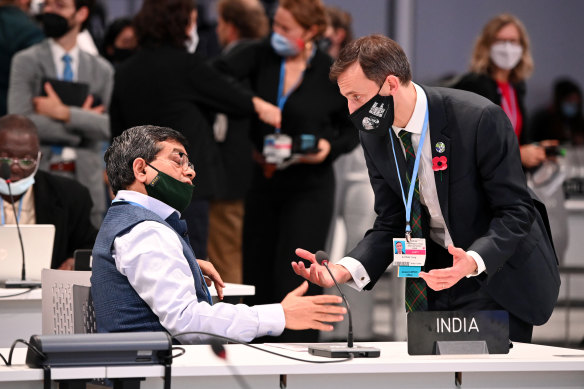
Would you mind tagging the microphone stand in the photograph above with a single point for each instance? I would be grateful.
(341, 351)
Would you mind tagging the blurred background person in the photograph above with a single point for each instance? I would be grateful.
(238, 21)
(289, 70)
(354, 199)
(501, 62)
(119, 41)
(562, 119)
(17, 32)
(41, 197)
(164, 84)
(71, 134)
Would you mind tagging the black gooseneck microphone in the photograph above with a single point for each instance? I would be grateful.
(322, 258)
(5, 173)
(341, 351)
(219, 350)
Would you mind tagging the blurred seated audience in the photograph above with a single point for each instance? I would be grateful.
(40, 197)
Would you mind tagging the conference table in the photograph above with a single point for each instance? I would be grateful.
(21, 310)
(526, 366)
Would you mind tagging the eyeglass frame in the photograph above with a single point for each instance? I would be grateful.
(184, 163)
(11, 160)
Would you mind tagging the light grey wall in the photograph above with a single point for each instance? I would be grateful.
(445, 31)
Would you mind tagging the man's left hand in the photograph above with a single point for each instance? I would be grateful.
(211, 275)
(462, 265)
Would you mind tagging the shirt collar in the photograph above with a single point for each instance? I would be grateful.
(58, 52)
(158, 207)
(417, 120)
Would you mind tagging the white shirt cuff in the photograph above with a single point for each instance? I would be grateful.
(480, 264)
(359, 275)
(271, 318)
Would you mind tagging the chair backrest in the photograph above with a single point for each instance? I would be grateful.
(66, 301)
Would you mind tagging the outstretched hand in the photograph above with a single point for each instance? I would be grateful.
(318, 274)
(462, 265)
(311, 312)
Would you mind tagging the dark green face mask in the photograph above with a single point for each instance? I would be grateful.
(170, 191)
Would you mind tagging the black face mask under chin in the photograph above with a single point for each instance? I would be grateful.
(375, 116)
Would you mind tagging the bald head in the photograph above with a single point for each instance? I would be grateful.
(18, 123)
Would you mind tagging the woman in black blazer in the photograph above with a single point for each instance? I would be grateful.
(288, 69)
(164, 84)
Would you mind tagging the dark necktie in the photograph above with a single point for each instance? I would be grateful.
(180, 226)
(68, 69)
(416, 299)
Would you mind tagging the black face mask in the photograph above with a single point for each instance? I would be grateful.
(120, 55)
(324, 44)
(54, 25)
(375, 116)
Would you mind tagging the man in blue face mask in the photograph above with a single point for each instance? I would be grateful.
(40, 197)
(145, 275)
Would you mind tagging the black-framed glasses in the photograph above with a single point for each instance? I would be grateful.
(23, 163)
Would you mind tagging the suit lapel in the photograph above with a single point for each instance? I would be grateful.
(440, 145)
(45, 56)
(83, 68)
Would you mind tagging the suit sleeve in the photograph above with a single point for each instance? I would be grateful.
(504, 184)
(21, 91)
(375, 251)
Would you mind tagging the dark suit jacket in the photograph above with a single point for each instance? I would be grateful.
(483, 197)
(169, 87)
(66, 204)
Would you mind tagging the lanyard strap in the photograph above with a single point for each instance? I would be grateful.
(2, 219)
(408, 203)
(282, 98)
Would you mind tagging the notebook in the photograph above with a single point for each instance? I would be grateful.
(70, 93)
(37, 240)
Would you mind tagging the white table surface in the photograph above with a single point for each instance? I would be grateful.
(526, 366)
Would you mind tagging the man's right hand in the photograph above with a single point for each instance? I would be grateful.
(318, 274)
(311, 312)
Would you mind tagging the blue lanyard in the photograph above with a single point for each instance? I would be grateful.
(282, 98)
(2, 210)
(408, 203)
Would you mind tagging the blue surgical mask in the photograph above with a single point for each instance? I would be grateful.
(569, 109)
(18, 187)
(282, 45)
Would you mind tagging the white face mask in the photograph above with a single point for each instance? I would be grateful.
(506, 55)
(193, 40)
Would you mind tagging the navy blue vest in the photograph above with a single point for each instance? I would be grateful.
(118, 308)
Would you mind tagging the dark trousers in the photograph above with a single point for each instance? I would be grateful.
(468, 295)
(277, 221)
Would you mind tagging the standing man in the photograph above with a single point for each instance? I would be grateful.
(145, 276)
(486, 242)
(71, 136)
(238, 21)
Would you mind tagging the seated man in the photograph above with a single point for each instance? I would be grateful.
(145, 274)
(40, 197)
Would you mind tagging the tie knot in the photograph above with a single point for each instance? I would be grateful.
(67, 59)
(406, 138)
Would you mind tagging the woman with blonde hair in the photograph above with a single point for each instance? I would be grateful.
(500, 63)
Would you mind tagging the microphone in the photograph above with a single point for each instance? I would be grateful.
(219, 350)
(5, 174)
(336, 351)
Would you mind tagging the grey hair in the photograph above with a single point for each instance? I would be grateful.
(136, 142)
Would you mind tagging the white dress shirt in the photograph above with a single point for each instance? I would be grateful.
(428, 193)
(58, 52)
(151, 256)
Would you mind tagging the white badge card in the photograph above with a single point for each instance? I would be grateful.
(277, 148)
(409, 256)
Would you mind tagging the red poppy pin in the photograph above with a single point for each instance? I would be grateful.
(439, 163)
